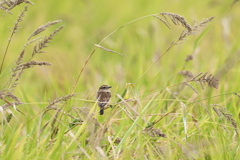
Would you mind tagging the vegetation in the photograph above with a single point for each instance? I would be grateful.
(175, 82)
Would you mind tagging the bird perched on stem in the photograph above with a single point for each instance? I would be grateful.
(103, 97)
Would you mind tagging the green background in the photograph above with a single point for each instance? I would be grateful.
(216, 50)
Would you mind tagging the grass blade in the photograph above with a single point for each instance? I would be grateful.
(184, 118)
(133, 125)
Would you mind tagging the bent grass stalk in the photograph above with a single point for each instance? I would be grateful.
(95, 48)
(174, 17)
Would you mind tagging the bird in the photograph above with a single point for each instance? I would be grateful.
(103, 97)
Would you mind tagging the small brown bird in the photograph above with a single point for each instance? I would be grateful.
(103, 97)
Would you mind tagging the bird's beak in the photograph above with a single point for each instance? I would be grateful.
(109, 86)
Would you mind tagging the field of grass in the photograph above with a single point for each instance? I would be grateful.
(163, 107)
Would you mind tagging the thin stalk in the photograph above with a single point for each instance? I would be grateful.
(6, 52)
(154, 64)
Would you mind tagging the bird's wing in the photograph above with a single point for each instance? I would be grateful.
(103, 97)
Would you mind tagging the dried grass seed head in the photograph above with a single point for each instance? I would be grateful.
(228, 116)
(42, 28)
(20, 16)
(186, 74)
(33, 63)
(189, 58)
(210, 80)
(43, 44)
(8, 5)
(57, 100)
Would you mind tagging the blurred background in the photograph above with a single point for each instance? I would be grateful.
(87, 22)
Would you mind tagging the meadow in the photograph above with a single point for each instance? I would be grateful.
(173, 67)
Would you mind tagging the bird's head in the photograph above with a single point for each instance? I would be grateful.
(104, 87)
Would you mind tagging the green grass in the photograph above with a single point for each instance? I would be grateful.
(152, 121)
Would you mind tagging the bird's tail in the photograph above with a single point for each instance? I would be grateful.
(101, 111)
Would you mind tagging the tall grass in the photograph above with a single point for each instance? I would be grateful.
(158, 115)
